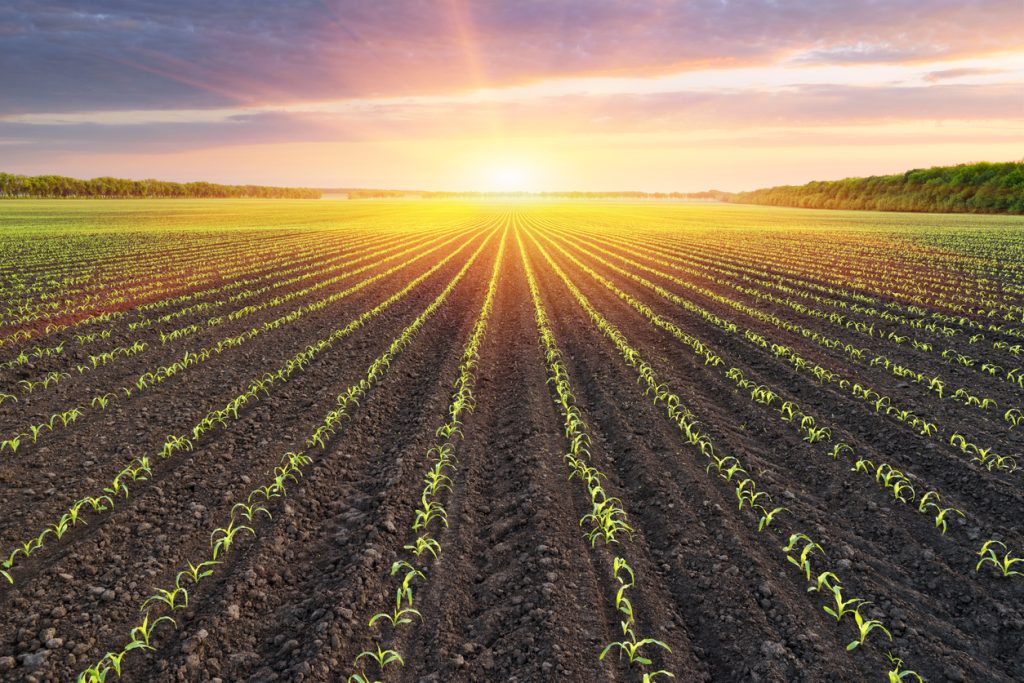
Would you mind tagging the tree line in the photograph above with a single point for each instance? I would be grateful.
(423, 194)
(966, 188)
(61, 187)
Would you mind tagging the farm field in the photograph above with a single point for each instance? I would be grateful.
(455, 441)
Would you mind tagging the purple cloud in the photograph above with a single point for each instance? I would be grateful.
(68, 55)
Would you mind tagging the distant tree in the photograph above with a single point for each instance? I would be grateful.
(967, 188)
(61, 187)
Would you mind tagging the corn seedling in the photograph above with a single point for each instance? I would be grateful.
(195, 572)
(767, 516)
(424, 544)
(631, 649)
(174, 599)
(898, 674)
(222, 538)
(381, 657)
(842, 607)
(824, 580)
(144, 631)
(988, 556)
(865, 627)
(801, 561)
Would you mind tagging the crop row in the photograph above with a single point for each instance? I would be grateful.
(140, 468)
(431, 514)
(158, 608)
(811, 430)
(800, 548)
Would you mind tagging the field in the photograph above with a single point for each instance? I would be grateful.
(430, 441)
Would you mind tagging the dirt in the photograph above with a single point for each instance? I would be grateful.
(517, 593)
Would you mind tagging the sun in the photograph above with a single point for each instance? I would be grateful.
(512, 177)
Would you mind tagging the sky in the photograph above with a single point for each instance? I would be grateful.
(518, 95)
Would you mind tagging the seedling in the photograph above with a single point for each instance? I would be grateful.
(222, 538)
(195, 572)
(424, 544)
(826, 580)
(802, 561)
(174, 599)
(864, 628)
(144, 631)
(767, 516)
(382, 657)
(631, 648)
(898, 674)
(839, 449)
(988, 556)
(843, 607)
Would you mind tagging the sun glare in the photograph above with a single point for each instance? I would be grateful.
(509, 178)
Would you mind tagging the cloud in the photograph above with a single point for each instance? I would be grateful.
(68, 55)
(953, 74)
(699, 114)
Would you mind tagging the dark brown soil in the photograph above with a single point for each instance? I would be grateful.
(517, 594)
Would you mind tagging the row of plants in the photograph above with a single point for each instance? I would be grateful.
(139, 468)
(751, 265)
(606, 520)
(898, 483)
(242, 520)
(869, 329)
(430, 516)
(881, 404)
(180, 276)
(141, 284)
(190, 359)
(102, 359)
(901, 276)
(934, 383)
(800, 551)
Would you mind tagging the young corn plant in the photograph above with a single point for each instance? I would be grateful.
(898, 674)
(1003, 564)
(143, 633)
(381, 657)
(864, 628)
(222, 538)
(631, 648)
(768, 516)
(842, 607)
(801, 561)
(825, 580)
(195, 572)
(176, 598)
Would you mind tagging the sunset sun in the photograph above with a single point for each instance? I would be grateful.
(509, 177)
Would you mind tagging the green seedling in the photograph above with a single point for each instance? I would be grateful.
(842, 607)
(222, 538)
(381, 657)
(196, 572)
(144, 631)
(988, 556)
(898, 674)
(174, 599)
(826, 580)
(940, 517)
(767, 516)
(424, 544)
(802, 561)
(864, 628)
(631, 648)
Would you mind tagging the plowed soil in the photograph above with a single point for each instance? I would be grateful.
(518, 592)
